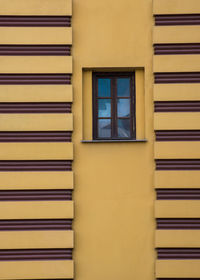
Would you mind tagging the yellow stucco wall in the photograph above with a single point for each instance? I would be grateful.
(113, 196)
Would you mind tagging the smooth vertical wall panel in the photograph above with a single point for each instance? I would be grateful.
(176, 63)
(165, 121)
(36, 210)
(177, 268)
(36, 151)
(35, 64)
(176, 34)
(174, 150)
(176, 7)
(176, 92)
(177, 209)
(36, 122)
(36, 35)
(36, 239)
(36, 269)
(36, 180)
(178, 238)
(177, 179)
(36, 7)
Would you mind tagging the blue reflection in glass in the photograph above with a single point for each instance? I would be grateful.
(123, 107)
(104, 128)
(123, 87)
(124, 128)
(104, 88)
(104, 108)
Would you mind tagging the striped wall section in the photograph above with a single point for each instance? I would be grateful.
(177, 138)
(36, 150)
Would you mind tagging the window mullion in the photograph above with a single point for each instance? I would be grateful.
(114, 115)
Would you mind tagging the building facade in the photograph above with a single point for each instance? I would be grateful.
(99, 139)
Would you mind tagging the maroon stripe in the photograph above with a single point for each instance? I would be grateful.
(42, 224)
(39, 21)
(177, 106)
(31, 79)
(35, 165)
(181, 194)
(178, 253)
(177, 164)
(35, 254)
(177, 135)
(164, 49)
(177, 77)
(36, 136)
(33, 107)
(178, 19)
(35, 195)
(35, 50)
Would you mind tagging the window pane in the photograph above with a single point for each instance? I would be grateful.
(104, 128)
(123, 107)
(124, 128)
(104, 108)
(123, 87)
(104, 88)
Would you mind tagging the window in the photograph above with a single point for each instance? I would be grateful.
(113, 106)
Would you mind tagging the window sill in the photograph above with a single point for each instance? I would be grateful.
(115, 141)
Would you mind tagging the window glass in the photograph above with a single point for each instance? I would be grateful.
(124, 128)
(104, 128)
(123, 87)
(104, 108)
(123, 107)
(104, 88)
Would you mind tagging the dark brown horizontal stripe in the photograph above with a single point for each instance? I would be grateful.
(177, 164)
(176, 106)
(35, 195)
(165, 49)
(35, 254)
(35, 165)
(42, 224)
(177, 77)
(64, 50)
(35, 136)
(34, 107)
(188, 223)
(181, 194)
(178, 19)
(35, 79)
(39, 21)
(178, 253)
(177, 135)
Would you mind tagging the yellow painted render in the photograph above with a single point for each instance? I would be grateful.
(36, 151)
(177, 149)
(36, 7)
(36, 122)
(177, 120)
(114, 218)
(176, 34)
(36, 210)
(177, 268)
(36, 180)
(178, 238)
(37, 239)
(37, 269)
(176, 92)
(35, 35)
(176, 7)
(36, 64)
(176, 63)
(177, 208)
(36, 93)
(177, 179)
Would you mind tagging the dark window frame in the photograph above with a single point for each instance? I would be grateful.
(113, 98)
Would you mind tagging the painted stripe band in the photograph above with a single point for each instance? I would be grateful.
(176, 77)
(165, 49)
(177, 135)
(176, 106)
(177, 19)
(175, 223)
(35, 165)
(178, 253)
(41, 224)
(64, 50)
(178, 194)
(177, 164)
